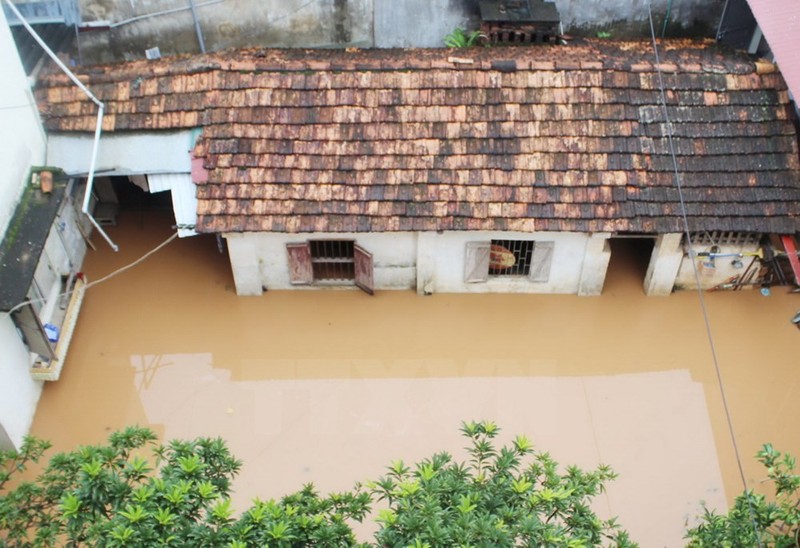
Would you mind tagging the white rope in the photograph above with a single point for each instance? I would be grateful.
(99, 281)
(685, 219)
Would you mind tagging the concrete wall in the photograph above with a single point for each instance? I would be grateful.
(259, 260)
(136, 25)
(163, 156)
(19, 393)
(23, 146)
(21, 132)
(449, 250)
(123, 154)
(624, 18)
(664, 264)
(429, 262)
(223, 23)
(421, 23)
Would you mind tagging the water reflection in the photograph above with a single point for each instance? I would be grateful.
(330, 386)
(653, 426)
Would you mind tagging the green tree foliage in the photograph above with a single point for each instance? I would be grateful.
(460, 38)
(134, 491)
(494, 499)
(756, 520)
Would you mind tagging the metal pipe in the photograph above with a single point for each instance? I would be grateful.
(98, 127)
(87, 195)
(160, 13)
(666, 19)
(52, 55)
(197, 28)
(720, 34)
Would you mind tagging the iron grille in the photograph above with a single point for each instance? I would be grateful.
(332, 260)
(719, 237)
(510, 257)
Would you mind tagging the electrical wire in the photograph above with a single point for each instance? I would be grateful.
(703, 307)
(98, 281)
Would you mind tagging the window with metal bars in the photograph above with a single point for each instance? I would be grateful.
(719, 237)
(332, 260)
(510, 257)
(327, 261)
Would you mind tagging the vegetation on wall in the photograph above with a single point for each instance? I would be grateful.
(460, 38)
(135, 491)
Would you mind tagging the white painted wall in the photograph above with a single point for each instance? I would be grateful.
(664, 264)
(21, 133)
(163, 156)
(401, 259)
(23, 145)
(450, 252)
(260, 259)
(19, 393)
(595, 265)
(123, 154)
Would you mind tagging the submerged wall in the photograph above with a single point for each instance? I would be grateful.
(124, 29)
(428, 262)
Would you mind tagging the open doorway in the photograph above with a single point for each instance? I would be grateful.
(630, 257)
(130, 197)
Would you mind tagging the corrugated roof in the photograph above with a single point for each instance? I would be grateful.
(780, 22)
(530, 139)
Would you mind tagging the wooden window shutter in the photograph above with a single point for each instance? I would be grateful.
(476, 263)
(301, 271)
(363, 269)
(541, 261)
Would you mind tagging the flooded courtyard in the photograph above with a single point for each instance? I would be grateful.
(330, 386)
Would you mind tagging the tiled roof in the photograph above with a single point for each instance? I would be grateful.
(540, 138)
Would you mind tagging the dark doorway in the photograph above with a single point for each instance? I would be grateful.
(134, 195)
(630, 257)
(129, 197)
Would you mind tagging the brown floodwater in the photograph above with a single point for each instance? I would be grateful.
(331, 386)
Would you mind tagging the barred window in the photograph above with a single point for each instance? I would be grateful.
(508, 258)
(719, 237)
(332, 261)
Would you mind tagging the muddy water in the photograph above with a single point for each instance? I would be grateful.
(330, 386)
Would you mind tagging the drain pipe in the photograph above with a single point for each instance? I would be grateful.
(98, 128)
(197, 28)
(87, 195)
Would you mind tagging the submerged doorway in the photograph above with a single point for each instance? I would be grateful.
(117, 194)
(630, 258)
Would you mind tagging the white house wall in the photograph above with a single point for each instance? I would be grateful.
(129, 154)
(162, 156)
(450, 253)
(260, 259)
(23, 142)
(19, 393)
(429, 262)
(21, 132)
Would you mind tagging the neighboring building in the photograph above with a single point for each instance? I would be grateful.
(117, 30)
(767, 28)
(42, 247)
(507, 169)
